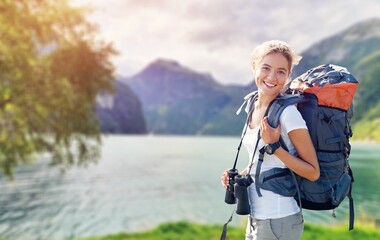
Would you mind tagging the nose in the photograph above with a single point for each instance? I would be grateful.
(271, 75)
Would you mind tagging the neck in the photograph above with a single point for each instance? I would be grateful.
(264, 100)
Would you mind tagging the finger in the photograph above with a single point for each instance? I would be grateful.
(279, 127)
(224, 183)
(223, 179)
(262, 125)
(266, 122)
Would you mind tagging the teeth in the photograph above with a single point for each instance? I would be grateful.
(269, 84)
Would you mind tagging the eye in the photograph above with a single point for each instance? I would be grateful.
(282, 72)
(266, 68)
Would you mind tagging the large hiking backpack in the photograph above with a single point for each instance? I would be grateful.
(324, 97)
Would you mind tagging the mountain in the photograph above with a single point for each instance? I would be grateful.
(367, 105)
(178, 100)
(120, 112)
(345, 48)
(358, 49)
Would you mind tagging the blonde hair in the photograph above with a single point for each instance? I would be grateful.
(274, 46)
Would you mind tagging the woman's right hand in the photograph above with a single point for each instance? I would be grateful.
(225, 179)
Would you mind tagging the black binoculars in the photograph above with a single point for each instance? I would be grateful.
(237, 191)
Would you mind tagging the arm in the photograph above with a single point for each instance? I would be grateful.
(306, 164)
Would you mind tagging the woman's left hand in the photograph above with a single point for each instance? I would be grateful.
(269, 134)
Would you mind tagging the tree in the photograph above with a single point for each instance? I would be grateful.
(52, 67)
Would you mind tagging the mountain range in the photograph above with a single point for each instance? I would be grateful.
(120, 112)
(178, 100)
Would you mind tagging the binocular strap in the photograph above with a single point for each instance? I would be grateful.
(224, 232)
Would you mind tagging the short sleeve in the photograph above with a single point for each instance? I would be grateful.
(291, 119)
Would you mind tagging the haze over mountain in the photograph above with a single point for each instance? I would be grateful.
(178, 100)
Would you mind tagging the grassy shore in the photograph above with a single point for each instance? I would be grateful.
(193, 231)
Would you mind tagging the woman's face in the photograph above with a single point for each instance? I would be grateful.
(272, 73)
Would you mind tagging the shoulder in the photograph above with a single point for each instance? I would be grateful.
(291, 113)
(291, 119)
(290, 110)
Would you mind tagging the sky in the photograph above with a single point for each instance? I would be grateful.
(216, 36)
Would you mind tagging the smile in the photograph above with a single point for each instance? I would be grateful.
(269, 84)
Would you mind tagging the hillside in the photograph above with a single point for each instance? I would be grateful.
(345, 48)
(178, 100)
(367, 108)
(120, 112)
(358, 49)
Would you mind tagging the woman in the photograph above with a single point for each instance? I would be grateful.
(274, 216)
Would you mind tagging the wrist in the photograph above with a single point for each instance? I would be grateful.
(272, 147)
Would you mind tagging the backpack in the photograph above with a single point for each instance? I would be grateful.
(324, 96)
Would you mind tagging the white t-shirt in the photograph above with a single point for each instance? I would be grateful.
(272, 205)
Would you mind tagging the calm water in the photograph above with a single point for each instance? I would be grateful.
(142, 181)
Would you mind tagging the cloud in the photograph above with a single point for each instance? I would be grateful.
(217, 36)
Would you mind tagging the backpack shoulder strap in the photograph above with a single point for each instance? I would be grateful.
(274, 112)
(279, 104)
(249, 99)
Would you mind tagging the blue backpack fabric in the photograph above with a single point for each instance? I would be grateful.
(323, 96)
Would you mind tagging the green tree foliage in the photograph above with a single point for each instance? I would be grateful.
(52, 67)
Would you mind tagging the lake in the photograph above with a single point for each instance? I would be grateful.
(142, 181)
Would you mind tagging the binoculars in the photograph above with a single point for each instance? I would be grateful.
(237, 191)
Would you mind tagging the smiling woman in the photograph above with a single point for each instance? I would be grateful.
(273, 214)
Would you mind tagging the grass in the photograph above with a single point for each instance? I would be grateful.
(178, 230)
(194, 231)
